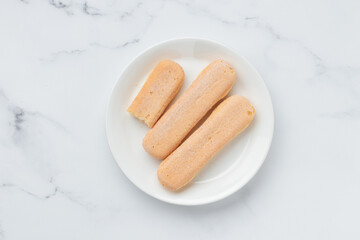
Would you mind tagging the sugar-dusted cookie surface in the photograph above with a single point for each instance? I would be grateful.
(160, 88)
(230, 118)
(211, 85)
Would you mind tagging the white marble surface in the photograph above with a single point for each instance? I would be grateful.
(59, 61)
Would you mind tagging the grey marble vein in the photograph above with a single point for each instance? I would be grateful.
(263, 25)
(56, 190)
(36, 114)
(62, 6)
(19, 118)
(13, 186)
(55, 55)
(58, 4)
(250, 18)
(69, 195)
(268, 28)
(85, 8)
(20, 115)
(130, 12)
(92, 11)
(118, 46)
(350, 114)
(201, 11)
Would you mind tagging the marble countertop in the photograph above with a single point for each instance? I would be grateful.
(59, 60)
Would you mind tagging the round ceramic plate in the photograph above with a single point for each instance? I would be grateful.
(232, 167)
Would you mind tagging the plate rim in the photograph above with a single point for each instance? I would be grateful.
(231, 190)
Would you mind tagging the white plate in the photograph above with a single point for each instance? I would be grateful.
(230, 169)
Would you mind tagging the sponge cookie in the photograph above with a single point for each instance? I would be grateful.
(159, 90)
(230, 118)
(211, 85)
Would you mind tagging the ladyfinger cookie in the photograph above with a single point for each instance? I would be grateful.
(162, 85)
(230, 118)
(211, 85)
